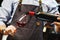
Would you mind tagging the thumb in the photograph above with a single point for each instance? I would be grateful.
(58, 18)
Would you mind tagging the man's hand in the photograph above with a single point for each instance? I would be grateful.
(10, 30)
(57, 25)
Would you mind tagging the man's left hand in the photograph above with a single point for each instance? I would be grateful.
(57, 25)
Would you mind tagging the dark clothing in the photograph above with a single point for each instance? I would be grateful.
(30, 31)
(59, 8)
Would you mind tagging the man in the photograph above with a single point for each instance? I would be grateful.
(8, 8)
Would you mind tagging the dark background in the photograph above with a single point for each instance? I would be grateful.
(59, 8)
(0, 2)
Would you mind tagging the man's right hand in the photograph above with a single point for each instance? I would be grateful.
(10, 30)
(7, 30)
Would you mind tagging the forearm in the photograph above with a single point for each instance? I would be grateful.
(5, 13)
(6, 10)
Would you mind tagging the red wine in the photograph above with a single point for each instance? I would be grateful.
(21, 24)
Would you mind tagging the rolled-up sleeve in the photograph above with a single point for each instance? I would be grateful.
(53, 7)
(5, 11)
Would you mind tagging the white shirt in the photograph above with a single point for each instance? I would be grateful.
(9, 5)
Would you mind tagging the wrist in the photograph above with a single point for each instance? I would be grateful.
(2, 25)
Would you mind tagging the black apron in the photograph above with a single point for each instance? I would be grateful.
(30, 31)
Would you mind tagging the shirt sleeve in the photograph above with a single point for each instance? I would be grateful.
(53, 7)
(5, 11)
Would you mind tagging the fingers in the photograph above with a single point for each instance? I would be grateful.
(57, 26)
(58, 18)
(57, 23)
(13, 29)
(10, 30)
